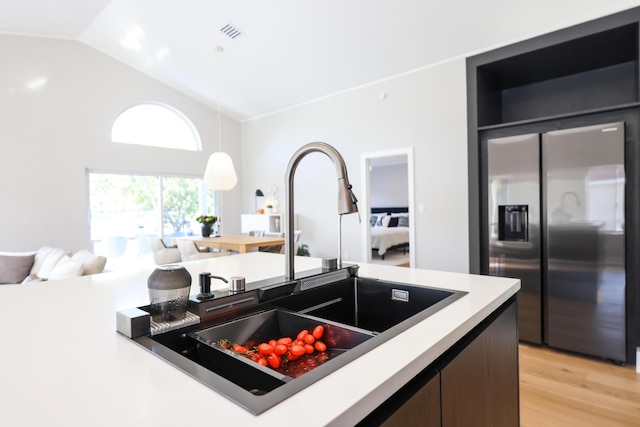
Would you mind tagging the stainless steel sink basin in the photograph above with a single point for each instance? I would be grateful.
(253, 330)
(365, 312)
(370, 304)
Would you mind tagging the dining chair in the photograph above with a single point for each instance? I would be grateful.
(163, 254)
(189, 251)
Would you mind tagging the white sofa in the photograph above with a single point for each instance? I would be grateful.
(47, 264)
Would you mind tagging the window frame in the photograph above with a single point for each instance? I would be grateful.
(207, 199)
(146, 141)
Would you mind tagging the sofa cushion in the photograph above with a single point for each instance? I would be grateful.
(91, 263)
(46, 260)
(66, 268)
(14, 268)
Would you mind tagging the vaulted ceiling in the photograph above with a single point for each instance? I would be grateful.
(289, 52)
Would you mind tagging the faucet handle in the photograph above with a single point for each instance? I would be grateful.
(354, 200)
(353, 196)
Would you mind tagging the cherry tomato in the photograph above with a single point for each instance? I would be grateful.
(285, 341)
(301, 343)
(291, 356)
(318, 331)
(280, 349)
(263, 361)
(239, 348)
(273, 343)
(265, 349)
(320, 346)
(297, 350)
(273, 360)
(309, 339)
(308, 349)
(302, 334)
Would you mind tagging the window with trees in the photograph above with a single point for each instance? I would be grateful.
(132, 207)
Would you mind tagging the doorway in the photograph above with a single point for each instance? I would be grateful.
(387, 178)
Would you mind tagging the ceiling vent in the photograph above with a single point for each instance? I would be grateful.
(231, 31)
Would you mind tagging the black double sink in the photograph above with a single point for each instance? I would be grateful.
(358, 314)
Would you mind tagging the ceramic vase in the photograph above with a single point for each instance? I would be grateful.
(206, 230)
(169, 287)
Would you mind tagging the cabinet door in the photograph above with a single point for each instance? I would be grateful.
(479, 387)
(422, 409)
(415, 404)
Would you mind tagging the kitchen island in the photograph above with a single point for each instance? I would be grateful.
(63, 363)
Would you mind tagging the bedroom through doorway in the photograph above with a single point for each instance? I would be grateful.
(388, 204)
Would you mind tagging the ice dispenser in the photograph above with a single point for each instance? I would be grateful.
(513, 223)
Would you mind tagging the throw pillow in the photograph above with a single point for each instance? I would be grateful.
(48, 262)
(66, 268)
(13, 269)
(40, 257)
(32, 278)
(393, 221)
(91, 263)
(403, 221)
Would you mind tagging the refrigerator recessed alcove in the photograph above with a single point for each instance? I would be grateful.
(585, 75)
(578, 75)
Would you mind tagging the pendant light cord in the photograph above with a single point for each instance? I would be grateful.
(219, 49)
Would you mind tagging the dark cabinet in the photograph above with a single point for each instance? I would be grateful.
(479, 385)
(474, 384)
(422, 409)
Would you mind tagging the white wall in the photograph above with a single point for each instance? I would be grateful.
(425, 109)
(51, 135)
(388, 186)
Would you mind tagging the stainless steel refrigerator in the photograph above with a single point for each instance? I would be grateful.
(556, 221)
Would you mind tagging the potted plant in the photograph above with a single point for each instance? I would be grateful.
(303, 250)
(207, 221)
(268, 209)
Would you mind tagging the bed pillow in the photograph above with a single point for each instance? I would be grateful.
(373, 220)
(14, 268)
(383, 221)
(403, 221)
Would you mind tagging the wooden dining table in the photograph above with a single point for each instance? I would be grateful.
(240, 244)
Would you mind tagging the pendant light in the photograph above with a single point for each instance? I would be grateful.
(220, 173)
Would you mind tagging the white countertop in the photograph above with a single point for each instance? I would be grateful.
(62, 363)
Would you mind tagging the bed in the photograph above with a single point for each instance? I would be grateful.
(389, 229)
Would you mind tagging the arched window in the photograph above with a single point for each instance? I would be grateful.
(155, 125)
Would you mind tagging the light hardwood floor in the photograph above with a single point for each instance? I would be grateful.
(561, 389)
